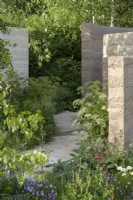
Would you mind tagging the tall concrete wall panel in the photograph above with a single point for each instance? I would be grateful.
(119, 51)
(116, 45)
(92, 50)
(18, 48)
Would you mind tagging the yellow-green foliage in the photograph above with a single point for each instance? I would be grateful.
(16, 129)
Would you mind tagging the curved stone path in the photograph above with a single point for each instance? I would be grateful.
(65, 140)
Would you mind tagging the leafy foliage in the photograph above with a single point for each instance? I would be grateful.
(16, 129)
(93, 115)
(40, 94)
(15, 126)
(59, 23)
(68, 82)
(123, 182)
(55, 31)
(84, 186)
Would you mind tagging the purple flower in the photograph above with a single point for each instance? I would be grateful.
(37, 193)
(41, 189)
(42, 193)
(39, 185)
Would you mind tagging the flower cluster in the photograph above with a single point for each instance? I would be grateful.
(99, 158)
(41, 189)
(126, 170)
(123, 186)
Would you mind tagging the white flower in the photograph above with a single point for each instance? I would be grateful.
(124, 174)
(124, 170)
(131, 173)
(129, 168)
(104, 108)
(120, 168)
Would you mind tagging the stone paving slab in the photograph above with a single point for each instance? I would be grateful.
(67, 138)
(64, 122)
(61, 147)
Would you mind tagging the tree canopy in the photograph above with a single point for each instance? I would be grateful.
(54, 25)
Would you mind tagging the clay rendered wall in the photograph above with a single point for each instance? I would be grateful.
(92, 50)
(19, 53)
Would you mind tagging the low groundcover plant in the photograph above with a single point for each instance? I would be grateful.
(42, 190)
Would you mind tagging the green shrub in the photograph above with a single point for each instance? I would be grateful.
(84, 186)
(38, 94)
(17, 127)
(95, 155)
(16, 130)
(93, 115)
(100, 155)
(123, 182)
(64, 99)
(98, 160)
(67, 72)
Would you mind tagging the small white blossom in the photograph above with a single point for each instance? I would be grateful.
(120, 168)
(129, 168)
(124, 174)
(131, 173)
(104, 108)
(124, 170)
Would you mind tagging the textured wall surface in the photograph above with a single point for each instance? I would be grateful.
(19, 53)
(119, 51)
(92, 50)
(116, 45)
